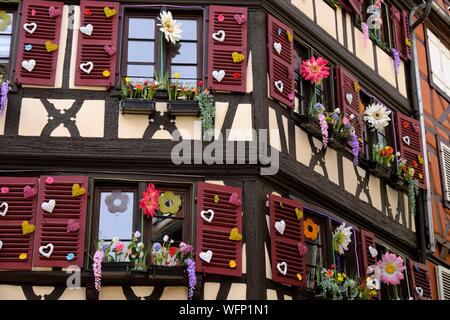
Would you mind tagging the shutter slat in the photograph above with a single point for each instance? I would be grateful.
(52, 227)
(357, 6)
(214, 236)
(281, 67)
(400, 32)
(409, 127)
(19, 210)
(91, 48)
(420, 277)
(220, 53)
(284, 248)
(48, 29)
(443, 282)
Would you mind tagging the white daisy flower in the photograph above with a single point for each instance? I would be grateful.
(377, 116)
(170, 27)
(342, 238)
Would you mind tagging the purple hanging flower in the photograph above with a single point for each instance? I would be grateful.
(365, 30)
(192, 277)
(4, 95)
(97, 269)
(396, 60)
(355, 146)
(324, 129)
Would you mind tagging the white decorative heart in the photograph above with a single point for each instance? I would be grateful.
(1, 244)
(29, 64)
(279, 85)
(218, 75)
(87, 29)
(48, 206)
(280, 226)
(419, 291)
(219, 36)
(277, 47)
(349, 98)
(407, 140)
(206, 256)
(30, 27)
(204, 217)
(87, 67)
(373, 251)
(50, 247)
(282, 268)
(4, 211)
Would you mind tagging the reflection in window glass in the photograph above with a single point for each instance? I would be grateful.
(187, 53)
(116, 215)
(141, 51)
(314, 257)
(167, 226)
(189, 29)
(140, 71)
(139, 28)
(5, 43)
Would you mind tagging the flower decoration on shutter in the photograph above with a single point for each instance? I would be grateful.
(419, 275)
(227, 48)
(281, 65)
(35, 64)
(288, 262)
(20, 211)
(400, 32)
(213, 238)
(410, 145)
(349, 102)
(52, 228)
(97, 32)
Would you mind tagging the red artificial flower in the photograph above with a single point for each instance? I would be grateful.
(149, 201)
(173, 251)
(87, 12)
(405, 125)
(200, 83)
(236, 75)
(146, 83)
(332, 267)
(414, 163)
(315, 69)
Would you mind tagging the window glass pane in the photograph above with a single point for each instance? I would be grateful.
(189, 28)
(5, 42)
(116, 215)
(186, 72)
(140, 71)
(186, 54)
(167, 226)
(140, 28)
(8, 29)
(141, 51)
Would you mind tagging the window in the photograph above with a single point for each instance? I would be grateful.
(7, 19)
(307, 93)
(314, 240)
(439, 63)
(148, 56)
(400, 291)
(117, 214)
(382, 36)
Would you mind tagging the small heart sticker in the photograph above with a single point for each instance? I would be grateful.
(27, 227)
(73, 225)
(206, 256)
(234, 199)
(280, 226)
(49, 180)
(203, 215)
(109, 12)
(70, 256)
(279, 85)
(349, 98)
(237, 57)
(216, 198)
(277, 47)
(77, 190)
(49, 206)
(218, 75)
(299, 213)
(50, 46)
(219, 36)
(235, 235)
(221, 18)
(30, 27)
(373, 251)
(407, 140)
(302, 249)
(47, 250)
(3, 209)
(282, 268)
(29, 192)
(240, 18)
(419, 291)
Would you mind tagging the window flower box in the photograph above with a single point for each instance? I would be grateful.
(175, 271)
(183, 108)
(399, 183)
(336, 141)
(116, 267)
(137, 106)
(379, 170)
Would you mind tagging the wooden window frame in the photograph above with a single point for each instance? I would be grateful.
(181, 14)
(14, 9)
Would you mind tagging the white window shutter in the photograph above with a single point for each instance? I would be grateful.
(445, 158)
(443, 282)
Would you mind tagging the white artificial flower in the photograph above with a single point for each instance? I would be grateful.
(166, 238)
(140, 245)
(377, 116)
(137, 234)
(172, 241)
(352, 116)
(337, 110)
(115, 239)
(342, 238)
(398, 154)
(170, 27)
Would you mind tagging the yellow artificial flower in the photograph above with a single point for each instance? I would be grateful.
(373, 293)
(177, 75)
(340, 277)
(23, 256)
(127, 80)
(232, 264)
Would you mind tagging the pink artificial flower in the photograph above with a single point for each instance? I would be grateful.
(185, 248)
(345, 121)
(315, 69)
(5, 190)
(365, 30)
(149, 201)
(391, 268)
(137, 234)
(120, 246)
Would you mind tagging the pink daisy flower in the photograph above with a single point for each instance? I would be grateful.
(315, 69)
(149, 201)
(391, 268)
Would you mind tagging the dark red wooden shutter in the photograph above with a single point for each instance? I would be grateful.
(92, 48)
(366, 239)
(357, 6)
(214, 236)
(419, 275)
(48, 29)
(281, 66)
(285, 248)
(220, 53)
(346, 85)
(20, 209)
(409, 131)
(400, 32)
(52, 227)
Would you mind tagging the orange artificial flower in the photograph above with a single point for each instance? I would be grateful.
(388, 151)
(414, 163)
(311, 229)
(139, 86)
